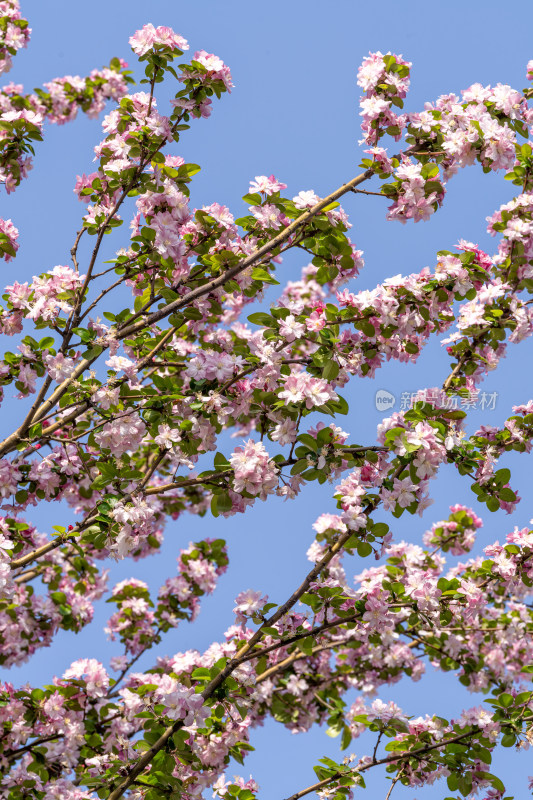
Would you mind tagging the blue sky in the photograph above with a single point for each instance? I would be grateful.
(293, 112)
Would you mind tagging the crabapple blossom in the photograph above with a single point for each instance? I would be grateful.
(266, 185)
(253, 471)
(8, 239)
(15, 33)
(248, 603)
(148, 37)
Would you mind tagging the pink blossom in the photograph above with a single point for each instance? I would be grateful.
(302, 387)
(266, 185)
(248, 603)
(184, 704)
(148, 37)
(121, 435)
(290, 329)
(215, 67)
(92, 671)
(269, 216)
(60, 367)
(306, 199)
(8, 239)
(386, 712)
(253, 471)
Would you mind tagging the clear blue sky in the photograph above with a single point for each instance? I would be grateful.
(293, 112)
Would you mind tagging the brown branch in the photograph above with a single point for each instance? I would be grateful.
(14, 754)
(378, 742)
(393, 784)
(29, 575)
(35, 405)
(45, 548)
(387, 760)
(373, 194)
(80, 408)
(298, 655)
(74, 249)
(298, 636)
(102, 294)
(249, 261)
(167, 487)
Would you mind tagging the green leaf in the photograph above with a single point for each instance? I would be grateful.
(506, 700)
(201, 674)
(502, 476)
(48, 342)
(507, 495)
(299, 467)
(190, 169)
(224, 502)
(253, 199)
(380, 529)
(465, 784)
(221, 462)
(493, 504)
(93, 352)
(330, 370)
(259, 274)
(306, 645)
(346, 737)
(309, 441)
(453, 781)
(508, 740)
(260, 318)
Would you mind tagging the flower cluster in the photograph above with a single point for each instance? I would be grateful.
(8, 239)
(482, 125)
(14, 33)
(149, 37)
(23, 115)
(139, 623)
(457, 534)
(254, 472)
(385, 81)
